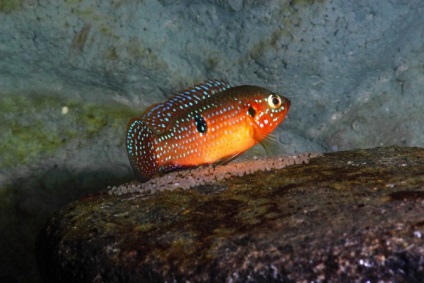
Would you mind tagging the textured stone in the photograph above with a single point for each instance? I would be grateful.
(347, 216)
(210, 174)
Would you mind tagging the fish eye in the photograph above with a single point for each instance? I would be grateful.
(274, 101)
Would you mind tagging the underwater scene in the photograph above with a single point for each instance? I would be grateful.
(211, 141)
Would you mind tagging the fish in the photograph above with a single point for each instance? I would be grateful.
(208, 123)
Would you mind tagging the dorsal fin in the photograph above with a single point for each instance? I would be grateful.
(159, 117)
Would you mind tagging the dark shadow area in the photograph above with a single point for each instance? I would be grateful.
(33, 200)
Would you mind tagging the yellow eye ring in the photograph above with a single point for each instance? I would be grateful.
(274, 101)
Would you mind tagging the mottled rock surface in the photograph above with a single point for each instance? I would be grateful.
(347, 216)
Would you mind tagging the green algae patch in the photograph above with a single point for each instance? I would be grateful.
(306, 2)
(7, 6)
(34, 126)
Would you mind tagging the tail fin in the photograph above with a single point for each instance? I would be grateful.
(140, 148)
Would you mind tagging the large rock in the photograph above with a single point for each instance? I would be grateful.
(346, 216)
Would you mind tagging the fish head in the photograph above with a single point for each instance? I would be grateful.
(266, 110)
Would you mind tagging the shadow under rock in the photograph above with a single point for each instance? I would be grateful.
(34, 197)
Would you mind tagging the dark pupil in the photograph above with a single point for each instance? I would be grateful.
(201, 125)
(275, 101)
(251, 111)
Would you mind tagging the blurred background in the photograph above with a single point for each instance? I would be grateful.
(72, 73)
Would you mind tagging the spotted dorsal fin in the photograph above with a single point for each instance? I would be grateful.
(159, 117)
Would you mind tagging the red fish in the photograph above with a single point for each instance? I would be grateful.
(211, 122)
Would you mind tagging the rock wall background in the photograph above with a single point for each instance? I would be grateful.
(73, 72)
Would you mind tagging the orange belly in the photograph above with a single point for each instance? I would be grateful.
(225, 138)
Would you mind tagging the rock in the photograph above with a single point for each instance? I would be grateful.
(347, 216)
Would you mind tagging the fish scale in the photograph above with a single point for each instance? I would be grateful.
(158, 116)
(208, 123)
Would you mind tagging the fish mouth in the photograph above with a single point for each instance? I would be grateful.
(287, 102)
